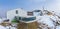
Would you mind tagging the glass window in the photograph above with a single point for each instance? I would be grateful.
(30, 13)
(16, 11)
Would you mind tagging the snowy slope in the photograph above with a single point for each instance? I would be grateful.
(57, 27)
(1, 20)
(2, 27)
(7, 27)
(46, 20)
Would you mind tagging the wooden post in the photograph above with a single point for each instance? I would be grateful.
(32, 25)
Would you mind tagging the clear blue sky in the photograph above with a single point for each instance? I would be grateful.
(6, 5)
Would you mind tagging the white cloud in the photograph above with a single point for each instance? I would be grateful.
(37, 1)
(54, 5)
(49, 4)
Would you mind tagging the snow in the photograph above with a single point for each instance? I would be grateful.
(49, 20)
(2, 27)
(54, 18)
(7, 27)
(10, 27)
(43, 19)
(57, 27)
(57, 14)
(46, 20)
(13, 28)
(1, 20)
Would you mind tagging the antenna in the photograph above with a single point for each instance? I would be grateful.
(43, 8)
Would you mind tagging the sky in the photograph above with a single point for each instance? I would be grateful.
(6, 5)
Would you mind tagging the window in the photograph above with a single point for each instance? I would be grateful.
(20, 18)
(16, 11)
(30, 13)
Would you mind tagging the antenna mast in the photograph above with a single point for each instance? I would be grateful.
(43, 8)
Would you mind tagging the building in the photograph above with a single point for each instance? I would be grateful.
(37, 13)
(27, 19)
(16, 12)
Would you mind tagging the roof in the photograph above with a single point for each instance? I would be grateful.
(16, 9)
